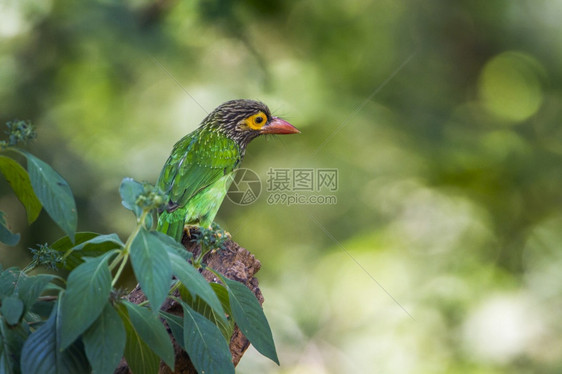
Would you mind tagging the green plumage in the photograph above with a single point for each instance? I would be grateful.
(197, 176)
(198, 172)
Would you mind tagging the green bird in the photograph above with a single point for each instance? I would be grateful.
(198, 173)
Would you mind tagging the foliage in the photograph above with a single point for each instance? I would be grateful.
(442, 119)
(81, 323)
(39, 186)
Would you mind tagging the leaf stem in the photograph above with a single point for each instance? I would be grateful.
(116, 261)
(173, 288)
(126, 249)
(197, 263)
(120, 270)
(31, 266)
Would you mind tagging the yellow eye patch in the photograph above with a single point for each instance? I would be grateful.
(256, 121)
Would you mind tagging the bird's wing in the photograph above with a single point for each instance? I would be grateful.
(197, 161)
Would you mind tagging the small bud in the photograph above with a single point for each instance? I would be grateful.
(46, 256)
(20, 132)
(150, 198)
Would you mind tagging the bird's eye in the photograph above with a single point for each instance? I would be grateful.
(256, 121)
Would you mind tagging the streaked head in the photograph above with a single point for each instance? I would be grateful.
(244, 120)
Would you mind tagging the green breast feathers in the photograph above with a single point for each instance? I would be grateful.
(196, 178)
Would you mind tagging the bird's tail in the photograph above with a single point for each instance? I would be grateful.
(171, 224)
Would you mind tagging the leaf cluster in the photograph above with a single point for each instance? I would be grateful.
(81, 323)
(40, 186)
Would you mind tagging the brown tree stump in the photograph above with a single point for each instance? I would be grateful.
(235, 263)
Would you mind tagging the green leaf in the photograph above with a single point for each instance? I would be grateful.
(11, 342)
(152, 268)
(130, 190)
(222, 294)
(197, 304)
(30, 288)
(206, 346)
(6, 236)
(141, 359)
(227, 328)
(64, 244)
(75, 258)
(248, 315)
(172, 246)
(196, 283)
(152, 331)
(86, 294)
(8, 281)
(19, 180)
(41, 353)
(73, 359)
(54, 193)
(12, 309)
(148, 221)
(176, 326)
(26, 288)
(104, 341)
(108, 238)
(42, 309)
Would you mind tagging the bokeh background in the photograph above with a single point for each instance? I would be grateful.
(443, 119)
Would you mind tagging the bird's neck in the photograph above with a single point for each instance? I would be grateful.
(242, 138)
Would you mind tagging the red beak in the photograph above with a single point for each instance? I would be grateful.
(279, 126)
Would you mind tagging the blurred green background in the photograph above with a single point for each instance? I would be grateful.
(443, 119)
